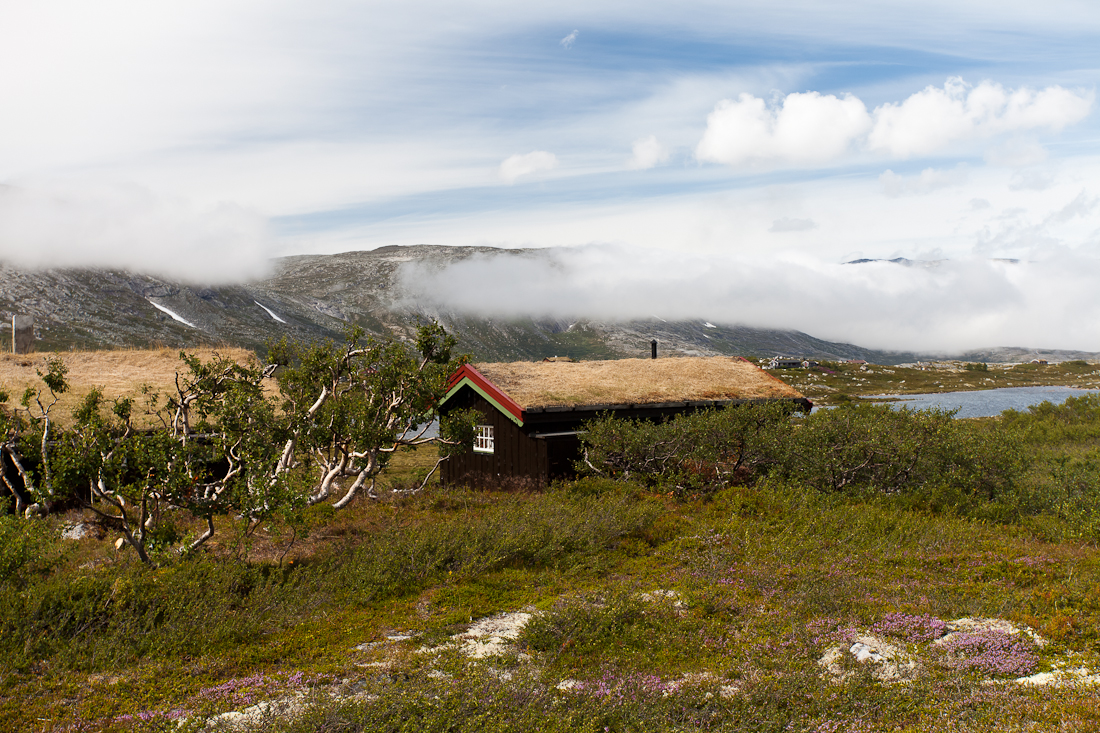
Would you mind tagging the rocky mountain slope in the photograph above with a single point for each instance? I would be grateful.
(316, 296)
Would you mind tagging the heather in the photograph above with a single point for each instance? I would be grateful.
(754, 599)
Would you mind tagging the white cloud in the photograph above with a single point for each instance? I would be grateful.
(850, 211)
(1016, 153)
(130, 228)
(569, 40)
(1031, 180)
(648, 152)
(933, 119)
(536, 161)
(957, 305)
(928, 180)
(811, 128)
(805, 128)
(1023, 233)
(792, 225)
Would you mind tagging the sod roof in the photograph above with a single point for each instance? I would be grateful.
(634, 381)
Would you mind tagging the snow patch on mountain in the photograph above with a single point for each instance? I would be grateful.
(173, 314)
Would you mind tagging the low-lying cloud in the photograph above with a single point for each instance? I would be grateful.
(126, 227)
(792, 225)
(812, 128)
(950, 306)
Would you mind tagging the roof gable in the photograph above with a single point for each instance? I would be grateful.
(468, 376)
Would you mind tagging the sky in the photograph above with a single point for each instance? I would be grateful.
(711, 160)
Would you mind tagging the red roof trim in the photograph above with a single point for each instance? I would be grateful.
(468, 372)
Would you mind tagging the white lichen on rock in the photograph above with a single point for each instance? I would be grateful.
(892, 663)
(492, 636)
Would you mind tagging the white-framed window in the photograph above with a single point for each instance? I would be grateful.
(483, 439)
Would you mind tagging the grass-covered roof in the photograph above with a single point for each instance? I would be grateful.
(633, 381)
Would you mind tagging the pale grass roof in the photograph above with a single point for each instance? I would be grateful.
(634, 381)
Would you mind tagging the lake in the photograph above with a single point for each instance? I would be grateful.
(986, 402)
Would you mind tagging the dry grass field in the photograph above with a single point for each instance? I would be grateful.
(118, 373)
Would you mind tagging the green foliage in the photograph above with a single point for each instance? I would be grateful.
(350, 406)
(222, 445)
(548, 530)
(855, 448)
(692, 452)
(624, 628)
(28, 550)
(976, 366)
(54, 376)
(1063, 480)
(114, 617)
(457, 430)
(876, 449)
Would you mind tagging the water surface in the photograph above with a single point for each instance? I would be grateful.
(986, 402)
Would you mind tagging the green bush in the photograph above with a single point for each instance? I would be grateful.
(876, 449)
(858, 448)
(700, 451)
(623, 628)
(115, 616)
(28, 550)
(547, 530)
(1063, 480)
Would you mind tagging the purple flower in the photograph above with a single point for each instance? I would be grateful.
(990, 652)
(912, 628)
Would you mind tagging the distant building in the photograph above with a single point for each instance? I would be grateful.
(531, 411)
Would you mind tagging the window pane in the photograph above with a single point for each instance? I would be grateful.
(483, 439)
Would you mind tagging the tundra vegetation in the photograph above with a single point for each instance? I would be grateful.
(834, 383)
(708, 573)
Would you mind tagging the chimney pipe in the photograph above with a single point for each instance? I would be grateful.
(653, 348)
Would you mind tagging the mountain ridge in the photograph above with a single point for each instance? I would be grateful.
(318, 296)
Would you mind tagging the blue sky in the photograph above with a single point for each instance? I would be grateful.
(199, 139)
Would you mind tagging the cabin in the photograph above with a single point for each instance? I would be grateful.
(532, 411)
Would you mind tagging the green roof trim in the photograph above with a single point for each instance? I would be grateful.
(467, 382)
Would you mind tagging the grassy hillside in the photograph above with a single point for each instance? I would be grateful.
(121, 373)
(644, 608)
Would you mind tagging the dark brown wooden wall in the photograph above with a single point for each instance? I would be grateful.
(518, 461)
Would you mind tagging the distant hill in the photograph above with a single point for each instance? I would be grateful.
(316, 296)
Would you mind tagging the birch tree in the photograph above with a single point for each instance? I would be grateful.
(227, 442)
(352, 406)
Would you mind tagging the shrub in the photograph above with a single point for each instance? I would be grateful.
(874, 448)
(692, 452)
(990, 652)
(546, 530)
(620, 628)
(28, 549)
(115, 616)
(913, 628)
